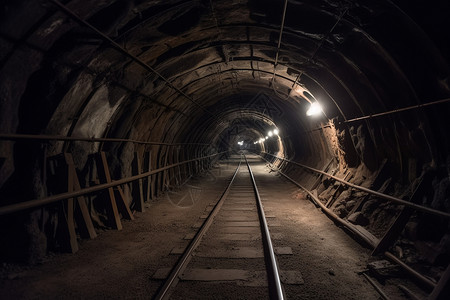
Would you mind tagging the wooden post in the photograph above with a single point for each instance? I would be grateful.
(170, 172)
(149, 190)
(164, 175)
(202, 162)
(189, 164)
(73, 244)
(138, 186)
(183, 173)
(126, 212)
(161, 174)
(103, 170)
(442, 289)
(85, 221)
(177, 160)
(157, 176)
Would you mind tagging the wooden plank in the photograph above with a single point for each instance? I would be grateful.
(337, 192)
(358, 204)
(102, 167)
(235, 218)
(291, 277)
(362, 200)
(235, 252)
(394, 231)
(177, 160)
(123, 204)
(283, 250)
(138, 187)
(241, 224)
(172, 171)
(167, 172)
(164, 173)
(157, 176)
(152, 179)
(319, 178)
(442, 289)
(238, 236)
(216, 275)
(85, 221)
(149, 189)
(73, 243)
(397, 226)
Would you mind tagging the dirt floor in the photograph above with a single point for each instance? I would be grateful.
(122, 264)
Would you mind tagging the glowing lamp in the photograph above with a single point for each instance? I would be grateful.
(314, 109)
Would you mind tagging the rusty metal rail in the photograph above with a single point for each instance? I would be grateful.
(354, 230)
(273, 276)
(276, 289)
(398, 110)
(40, 137)
(8, 209)
(164, 290)
(369, 191)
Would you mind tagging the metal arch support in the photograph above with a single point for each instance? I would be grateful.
(140, 62)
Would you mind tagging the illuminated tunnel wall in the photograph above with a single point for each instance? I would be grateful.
(221, 72)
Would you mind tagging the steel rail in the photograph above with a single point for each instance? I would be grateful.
(276, 291)
(327, 211)
(36, 137)
(122, 50)
(424, 280)
(350, 227)
(369, 191)
(398, 110)
(8, 209)
(163, 292)
(376, 287)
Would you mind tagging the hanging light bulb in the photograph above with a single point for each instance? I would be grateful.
(314, 109)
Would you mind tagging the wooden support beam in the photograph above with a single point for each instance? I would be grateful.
(394, 231)
(442, 289)
(183, 168)
(148, 163)
(69, 219)
(138, 185)
(122, 205)
(397, 226)
(336, 193)
(85, 221)
(319, 178)
(189, 164)
(177, 160)
(358, 204)
(157, 176)
(164, 176)
(103, 171)
(171, 171)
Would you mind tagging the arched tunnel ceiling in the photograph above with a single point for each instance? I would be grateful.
(175, 80)
(210, 60)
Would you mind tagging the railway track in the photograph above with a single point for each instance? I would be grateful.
(233, 247)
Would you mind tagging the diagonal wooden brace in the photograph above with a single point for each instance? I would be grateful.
(74, 185)
(138, 190)
(103, 171)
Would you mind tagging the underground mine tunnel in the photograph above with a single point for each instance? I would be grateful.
(108, 108)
